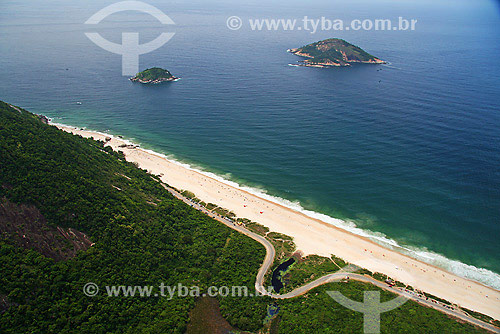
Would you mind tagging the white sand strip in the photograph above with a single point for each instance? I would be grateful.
(313, 236)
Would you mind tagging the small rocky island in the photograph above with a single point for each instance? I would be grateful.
(154, 75)
(333, 52)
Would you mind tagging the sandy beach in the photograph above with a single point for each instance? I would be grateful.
(313, 236)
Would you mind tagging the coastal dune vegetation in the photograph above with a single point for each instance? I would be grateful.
(127, 229)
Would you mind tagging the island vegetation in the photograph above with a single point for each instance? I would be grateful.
(78, 212)
(154, 75)
(333, 52)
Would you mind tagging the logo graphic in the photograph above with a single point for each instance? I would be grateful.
(371, 307)
(234, 23)
(90, 289)
(130, 49)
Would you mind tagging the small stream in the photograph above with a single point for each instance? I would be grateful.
(276, 278)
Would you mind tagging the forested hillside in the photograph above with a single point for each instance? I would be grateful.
(75, 212)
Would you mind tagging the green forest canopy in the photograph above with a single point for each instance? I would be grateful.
(142, 236)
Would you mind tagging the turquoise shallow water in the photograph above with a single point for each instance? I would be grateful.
(410, 150)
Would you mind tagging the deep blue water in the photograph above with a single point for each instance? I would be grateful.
(410, 149)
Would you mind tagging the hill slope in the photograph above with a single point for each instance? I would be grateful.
(154, 75)
(334, 52)
(142, 236)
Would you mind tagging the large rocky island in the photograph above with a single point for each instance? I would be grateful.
(154, 75)
(333, 52)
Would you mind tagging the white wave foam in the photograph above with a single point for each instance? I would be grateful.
(458, 268)
(482, 275)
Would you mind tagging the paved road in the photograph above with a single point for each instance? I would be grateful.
(270, 252)
(268, 261)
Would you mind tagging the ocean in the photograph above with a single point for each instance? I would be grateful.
(407, 153)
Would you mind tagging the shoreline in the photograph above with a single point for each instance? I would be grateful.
(345, 61)
(338, 276)
(312, 235)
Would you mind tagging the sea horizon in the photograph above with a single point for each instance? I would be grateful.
(409, 150)
(250, 166)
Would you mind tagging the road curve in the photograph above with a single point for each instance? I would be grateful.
(335, 277)
(270, 252)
